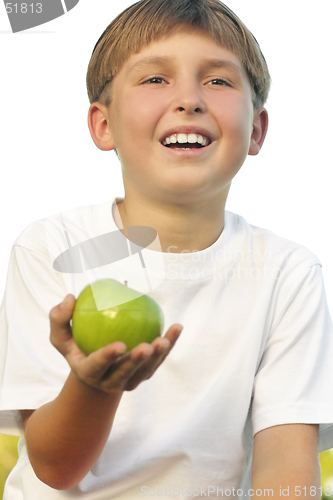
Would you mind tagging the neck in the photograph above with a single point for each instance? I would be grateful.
(180, 228)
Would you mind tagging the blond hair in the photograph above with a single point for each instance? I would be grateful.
(150, 20)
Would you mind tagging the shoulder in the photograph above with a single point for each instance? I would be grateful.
(47, 235)
(265, 247)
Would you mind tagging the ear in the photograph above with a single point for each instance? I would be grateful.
(98, 123)
(260, 126)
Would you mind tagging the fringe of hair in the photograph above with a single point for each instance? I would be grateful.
(151, 20)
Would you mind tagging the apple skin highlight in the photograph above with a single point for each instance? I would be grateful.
(139, 319)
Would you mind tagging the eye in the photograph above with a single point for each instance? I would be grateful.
(155, 79)
(219, 81)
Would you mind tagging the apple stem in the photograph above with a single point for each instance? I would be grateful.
(125, 283)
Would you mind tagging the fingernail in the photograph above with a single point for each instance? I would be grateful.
(145, 355)
(121, 350)
(164, 346)
(179, 330)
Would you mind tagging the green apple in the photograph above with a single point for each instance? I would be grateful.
(137, 318)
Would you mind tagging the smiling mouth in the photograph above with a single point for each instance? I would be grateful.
(186, 141)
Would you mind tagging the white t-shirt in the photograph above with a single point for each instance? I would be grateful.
(255, 351)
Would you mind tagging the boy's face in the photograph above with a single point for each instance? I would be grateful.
(183, 84)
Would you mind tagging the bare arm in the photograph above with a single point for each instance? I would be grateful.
(286, 462)
(66, 436)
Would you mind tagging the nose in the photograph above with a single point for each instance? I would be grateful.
(188, 98)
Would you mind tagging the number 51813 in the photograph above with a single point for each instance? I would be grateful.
(24, 8)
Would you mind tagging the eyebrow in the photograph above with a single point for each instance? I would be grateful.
(207, 63)
(150, 61)
(224, 63)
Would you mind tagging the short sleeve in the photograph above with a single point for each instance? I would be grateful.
(32, 371)
(294, 381)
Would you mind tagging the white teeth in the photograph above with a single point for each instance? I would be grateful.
(186, 138)
(192, 138)
(182, 138)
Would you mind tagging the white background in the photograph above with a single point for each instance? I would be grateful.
(49, 163)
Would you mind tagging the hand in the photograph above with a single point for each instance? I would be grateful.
(108, 369)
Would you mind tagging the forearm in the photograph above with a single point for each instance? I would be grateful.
(286, 462)
(289, 481)
(66, 436)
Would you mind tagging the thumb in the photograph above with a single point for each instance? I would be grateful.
(66, 307)
(62, 313)
(59, 322)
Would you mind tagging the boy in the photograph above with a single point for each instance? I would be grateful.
(178, 89)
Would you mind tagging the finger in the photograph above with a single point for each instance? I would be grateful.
(120, 371)
(125, 367)
(161, 351)
(62, 313)
(150, 365)
(60, 316)
(162, 346)
(96, 364)
(173, 333)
